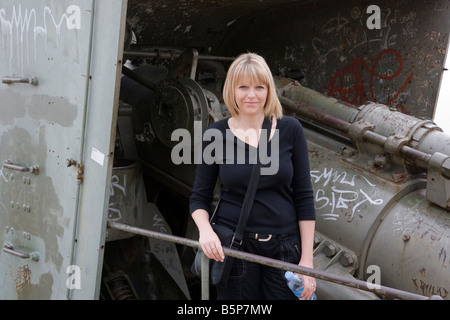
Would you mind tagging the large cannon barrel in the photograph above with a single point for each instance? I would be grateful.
(382, 191)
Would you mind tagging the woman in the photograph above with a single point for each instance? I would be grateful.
(282, 220)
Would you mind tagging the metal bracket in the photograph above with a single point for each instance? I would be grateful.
(438, 180)
(187, 60)
(357, 129)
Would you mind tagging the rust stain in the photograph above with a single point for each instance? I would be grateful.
(443, 256)
(23, 277)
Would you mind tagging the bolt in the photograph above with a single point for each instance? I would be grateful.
(380, 161)
(330, 250)
(346, 259)
(317, 240)
(398, 176)
(347, 153)
(34, 256)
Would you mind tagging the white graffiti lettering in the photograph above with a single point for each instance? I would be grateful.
(24, 25)
(114, 212)
(334, 190)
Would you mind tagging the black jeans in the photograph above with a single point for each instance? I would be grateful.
(253, 281)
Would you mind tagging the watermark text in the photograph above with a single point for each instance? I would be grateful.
(222, 149)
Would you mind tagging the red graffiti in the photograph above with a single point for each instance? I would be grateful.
(347, 83)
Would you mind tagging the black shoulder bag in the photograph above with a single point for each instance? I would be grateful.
(219, 271)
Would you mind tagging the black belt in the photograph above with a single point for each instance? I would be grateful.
(263, 237)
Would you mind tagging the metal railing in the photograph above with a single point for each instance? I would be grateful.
(327, 276)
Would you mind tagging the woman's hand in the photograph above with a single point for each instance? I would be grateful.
(309, 283)
(208, 239)
(306, 260)
(211, 245)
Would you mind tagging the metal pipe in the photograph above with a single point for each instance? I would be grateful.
(350, 282)
(295, 92)
(139, 78)
(155, 54)
(205, 277)
(422, 158)
(314, 114)
(169, 55)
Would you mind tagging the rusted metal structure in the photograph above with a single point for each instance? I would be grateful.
(92, 93)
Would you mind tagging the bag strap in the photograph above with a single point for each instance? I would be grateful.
(251, 191)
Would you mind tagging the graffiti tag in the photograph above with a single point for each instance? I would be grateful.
(342, 195)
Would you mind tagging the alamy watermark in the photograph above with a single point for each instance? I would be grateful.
(223, 149)
(373, 281)
(374, 20)
(74, 279)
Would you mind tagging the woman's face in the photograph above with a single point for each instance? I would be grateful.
(250, 96)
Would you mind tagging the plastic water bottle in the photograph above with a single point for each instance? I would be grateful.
(295, 283)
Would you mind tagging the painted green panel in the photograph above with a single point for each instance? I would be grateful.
(48, 97)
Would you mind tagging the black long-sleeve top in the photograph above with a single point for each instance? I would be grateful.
(282, 199)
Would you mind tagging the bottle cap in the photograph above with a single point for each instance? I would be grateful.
(289, 275)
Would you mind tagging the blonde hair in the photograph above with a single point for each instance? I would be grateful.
(253, 65)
